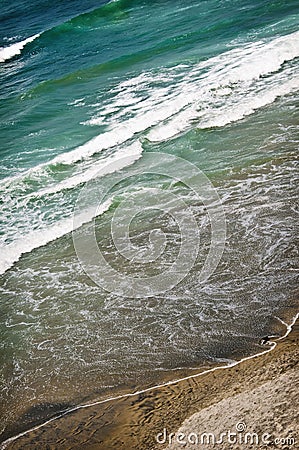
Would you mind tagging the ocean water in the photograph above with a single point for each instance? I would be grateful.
(97, 92)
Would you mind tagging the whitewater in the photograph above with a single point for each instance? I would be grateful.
(88, 91)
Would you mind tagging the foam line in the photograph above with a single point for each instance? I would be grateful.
(168, 383)
(201, 87)
(12, 252)
(104, 141)
(237, 77)
(132, 154)
(7, 53)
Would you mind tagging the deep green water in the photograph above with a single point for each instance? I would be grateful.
(214, 82)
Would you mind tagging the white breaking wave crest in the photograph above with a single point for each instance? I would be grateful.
(113, 138)
(184, 98)
(105, 141)
(9, 52)
(224, 80)
(132, 154)
(213, 93)
(235, 106)
(237, 83)
(12, 252)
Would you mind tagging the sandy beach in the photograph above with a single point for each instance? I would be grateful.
(263, 415)
(253, 404)
(149, 224)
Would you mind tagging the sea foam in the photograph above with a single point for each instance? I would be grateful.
(12, 50)
(12, 252)
(229, 87)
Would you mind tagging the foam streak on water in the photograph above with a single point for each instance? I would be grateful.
(12, 50)
(214, 93)
(95, 88)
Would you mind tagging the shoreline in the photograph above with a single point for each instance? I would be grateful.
(260, 412)
(122, 420)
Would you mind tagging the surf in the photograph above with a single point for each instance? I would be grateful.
(7, 53)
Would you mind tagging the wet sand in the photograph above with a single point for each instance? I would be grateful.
(264, 415)
(259, 392)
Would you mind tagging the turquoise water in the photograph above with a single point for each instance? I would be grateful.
(85, 86)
